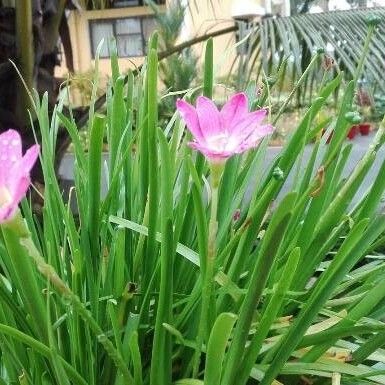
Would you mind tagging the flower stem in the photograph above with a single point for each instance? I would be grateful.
(208, 269)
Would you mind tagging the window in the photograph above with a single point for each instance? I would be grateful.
(131, 35)
(133, 3)
(129, 38)
(99, 31)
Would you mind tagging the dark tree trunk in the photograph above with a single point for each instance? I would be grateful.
(48, 22)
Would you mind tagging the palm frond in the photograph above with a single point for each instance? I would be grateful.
(340, 34)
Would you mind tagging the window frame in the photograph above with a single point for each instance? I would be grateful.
(112, 21)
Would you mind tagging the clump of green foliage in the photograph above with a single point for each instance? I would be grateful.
(112, 295)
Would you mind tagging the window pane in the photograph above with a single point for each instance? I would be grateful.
(127, 26)
(125, 3)
(99, 31)
(129, 45)
(149, 26)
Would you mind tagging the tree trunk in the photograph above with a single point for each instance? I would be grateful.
(29, 36)
(25, 52)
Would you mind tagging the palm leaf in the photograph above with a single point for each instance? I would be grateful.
(295, 38)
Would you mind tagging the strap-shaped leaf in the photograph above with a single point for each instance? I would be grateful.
(216, 347)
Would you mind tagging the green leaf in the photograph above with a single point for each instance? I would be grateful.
(208, 70)
(136, 359)
(94, 183)
(216, 347)
(269, 315)
(349, 253)
(43, 350)
(182, 250)
(264, 260)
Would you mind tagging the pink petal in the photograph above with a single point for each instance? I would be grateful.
(20, 170)
(261, 132)
(190, 117)
(234, 110)
(15, 171)
(20, 190)
(209, 117)
(30, 157)
(8, 210)
(247, 125)
(253, 139)
(210, 153)
(10, 153)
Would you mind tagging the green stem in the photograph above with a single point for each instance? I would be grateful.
(300, 81)
(208, 271)
(365, 52)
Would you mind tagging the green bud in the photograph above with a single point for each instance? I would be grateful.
(373, 20)
(320, 50)
(271, 80)
(353, 117)
(278, 173)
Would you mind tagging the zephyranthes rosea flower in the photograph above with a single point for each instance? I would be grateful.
(221, 134)
(14, 172)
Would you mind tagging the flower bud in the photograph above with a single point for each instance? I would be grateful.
(328, 63)
(270, 80)
(353, 117)
(373, 20)
(278, 173)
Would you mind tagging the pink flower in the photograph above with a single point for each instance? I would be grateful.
(221, 134)
(14, 172)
